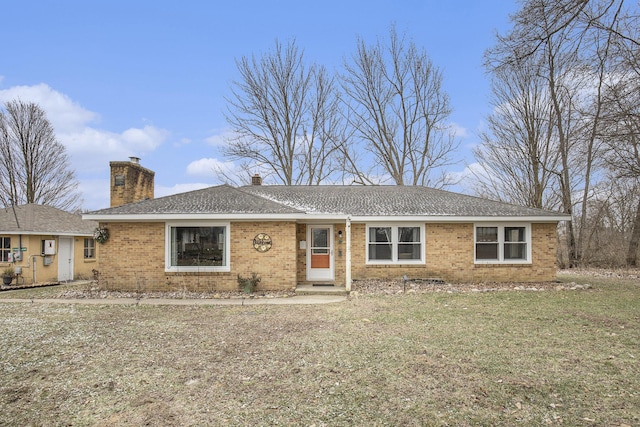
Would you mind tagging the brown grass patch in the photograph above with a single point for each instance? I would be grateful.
(437, 358)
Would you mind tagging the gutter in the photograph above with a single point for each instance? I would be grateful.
(318, 217)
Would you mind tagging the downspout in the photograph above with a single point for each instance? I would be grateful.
(34, 259)
(347, 279)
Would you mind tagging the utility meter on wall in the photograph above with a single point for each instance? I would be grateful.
(49, 247)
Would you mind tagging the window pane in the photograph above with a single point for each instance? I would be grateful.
(380, 252)
(5, 248)
(514, 234)
(409, 251)
(409, 234)
(89, 248)
(515, 251)
(487, 251)
(174, 246)
(487, 234)
(319, 238)
(198, 246)
(380, 234)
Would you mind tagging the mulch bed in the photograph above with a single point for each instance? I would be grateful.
(378, 287)
(359, 287)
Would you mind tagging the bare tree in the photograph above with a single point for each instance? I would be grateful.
(611, 215)
(398, 111)
(518, 150)
(620, 128)
(540, 28)
(572, 41)
(284, 115)
(35, 167)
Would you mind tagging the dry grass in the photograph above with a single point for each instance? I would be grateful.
(439, 358)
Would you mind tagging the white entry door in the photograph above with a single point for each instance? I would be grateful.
(320, 253)
(65, 259)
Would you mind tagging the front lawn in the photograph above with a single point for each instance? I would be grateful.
(551, 357)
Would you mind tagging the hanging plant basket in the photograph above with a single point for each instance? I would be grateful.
(101, 234)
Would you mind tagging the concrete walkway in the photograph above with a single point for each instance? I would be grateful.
(295, 300)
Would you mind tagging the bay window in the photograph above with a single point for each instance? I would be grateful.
(388, 244)
(197, 247)
(502, 243)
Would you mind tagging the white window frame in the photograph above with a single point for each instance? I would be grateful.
(90, 246)
(394, 244)
(501, 242)
(5, 251)
(197, 268)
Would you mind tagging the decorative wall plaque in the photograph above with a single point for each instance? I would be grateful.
(262, 242)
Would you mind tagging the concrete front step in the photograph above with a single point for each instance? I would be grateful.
(320, 290)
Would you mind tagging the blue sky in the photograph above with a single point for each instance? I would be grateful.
(149, 78)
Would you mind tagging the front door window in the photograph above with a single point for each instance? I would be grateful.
(320, 248)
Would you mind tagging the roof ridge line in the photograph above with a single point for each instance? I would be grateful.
(272, 200)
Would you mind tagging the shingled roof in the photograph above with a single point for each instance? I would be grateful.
(222, 199)
(40, 219)
(387, 200)
(306, 201)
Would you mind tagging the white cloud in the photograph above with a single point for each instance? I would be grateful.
(145, 139)
(95, 193)
(458, 131)
(207, 167)
(161, 191)
(88, 146)
(64, 114)
(465, 179)
(220, 139)
(183, 141)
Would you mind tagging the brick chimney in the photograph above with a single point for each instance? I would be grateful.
(130, 182)
(256, 179)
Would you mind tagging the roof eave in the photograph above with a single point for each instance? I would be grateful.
(190, 216)
(319, 217)
(464, 218)
(47, 233)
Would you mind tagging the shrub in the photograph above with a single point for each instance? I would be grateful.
(249, 284)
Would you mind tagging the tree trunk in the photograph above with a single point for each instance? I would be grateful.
(632, 254)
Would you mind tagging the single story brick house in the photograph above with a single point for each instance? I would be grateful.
(46, 244)
(324, 235)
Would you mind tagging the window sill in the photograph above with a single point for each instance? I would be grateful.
(399, 262)
(498, 262)
(197, 270)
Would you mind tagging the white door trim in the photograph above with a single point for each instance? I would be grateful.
(320, 274)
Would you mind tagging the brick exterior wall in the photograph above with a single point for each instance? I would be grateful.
(449, 256)
(277, 266)
(138, 183)
(133, 258)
